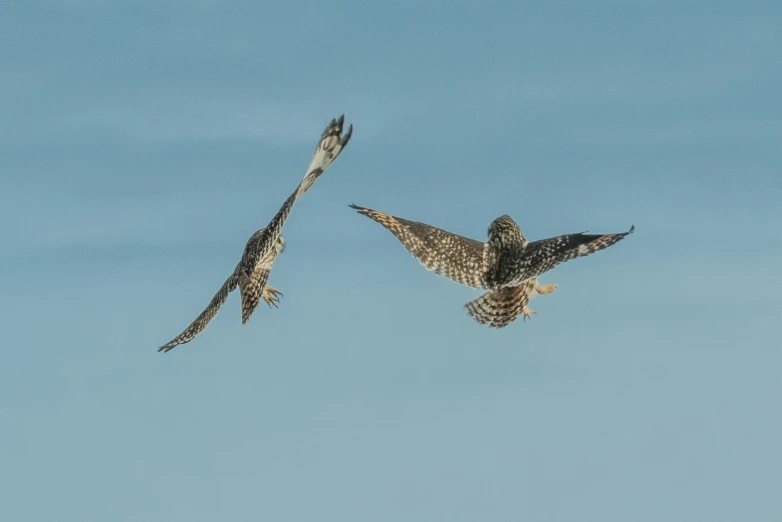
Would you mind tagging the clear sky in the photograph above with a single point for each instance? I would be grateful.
(141, 143)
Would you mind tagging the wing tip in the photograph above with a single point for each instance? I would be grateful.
(334, 128)
(346, 137)
(335, 125)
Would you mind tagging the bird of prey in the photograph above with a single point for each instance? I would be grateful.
(252, 272)
(507, 265)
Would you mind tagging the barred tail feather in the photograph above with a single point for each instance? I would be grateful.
(251, 289)
(500, 307)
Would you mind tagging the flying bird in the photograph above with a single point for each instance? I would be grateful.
(252, 272)
(507, 265)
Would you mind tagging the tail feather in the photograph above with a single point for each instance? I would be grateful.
(251, 294)
(501, 307)
(251, 289)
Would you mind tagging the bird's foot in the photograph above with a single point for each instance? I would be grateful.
(271, 296)
(528, 312)
(543, 290)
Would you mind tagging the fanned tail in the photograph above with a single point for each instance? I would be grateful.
(501, 307)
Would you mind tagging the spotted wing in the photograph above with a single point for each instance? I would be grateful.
(329, 147)
(200, 323)
(541, 256)
(458, 258)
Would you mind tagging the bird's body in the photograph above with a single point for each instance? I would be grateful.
(270, 295)
(251, 274)
(507, 264)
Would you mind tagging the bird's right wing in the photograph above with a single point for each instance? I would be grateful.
(197, 326)
(330, 145)
(458, 258)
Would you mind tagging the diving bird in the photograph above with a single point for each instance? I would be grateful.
(252, 272)
(507, 265)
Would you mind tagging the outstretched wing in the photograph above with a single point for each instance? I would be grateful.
(197, 326)
(541, 256)
(326, 152)
(458, 258)
(331, 144)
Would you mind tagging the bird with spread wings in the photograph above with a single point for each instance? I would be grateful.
(507, 265)
(252, 272)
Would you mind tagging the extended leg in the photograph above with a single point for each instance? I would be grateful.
(271, 295)
(543, 290)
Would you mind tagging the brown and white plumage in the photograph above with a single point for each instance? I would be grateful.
(499, 308)
(251, 274)
(200, 322)
(269, 294)
(458, 258)
(507, 264)
(257, 263)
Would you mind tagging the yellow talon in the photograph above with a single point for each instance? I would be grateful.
(271, 296)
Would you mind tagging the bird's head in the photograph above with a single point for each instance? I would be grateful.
(279, 246)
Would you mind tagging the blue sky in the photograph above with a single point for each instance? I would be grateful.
(141, 144)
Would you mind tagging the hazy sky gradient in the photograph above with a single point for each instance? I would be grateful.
(141, 144)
